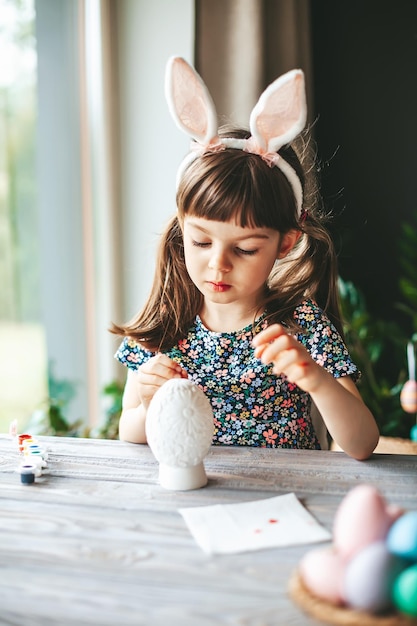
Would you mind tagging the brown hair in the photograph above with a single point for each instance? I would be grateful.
(233, 183)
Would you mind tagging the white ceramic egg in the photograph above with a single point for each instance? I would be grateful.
(179, 430)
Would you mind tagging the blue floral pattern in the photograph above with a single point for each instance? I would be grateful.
(251, 405)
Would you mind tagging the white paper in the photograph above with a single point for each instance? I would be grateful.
(274, 522)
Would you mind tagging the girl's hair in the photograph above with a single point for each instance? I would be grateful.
(236, 184)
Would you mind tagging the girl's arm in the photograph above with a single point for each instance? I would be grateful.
(133, 416)
(348, 420)
(141, 386)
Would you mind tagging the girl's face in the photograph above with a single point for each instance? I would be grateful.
(231, 264)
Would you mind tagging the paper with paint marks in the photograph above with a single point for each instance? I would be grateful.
(256, 525)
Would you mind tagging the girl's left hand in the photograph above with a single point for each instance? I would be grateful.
(289, 357)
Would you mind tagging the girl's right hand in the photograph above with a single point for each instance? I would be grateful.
(153, 374)
(141, 386)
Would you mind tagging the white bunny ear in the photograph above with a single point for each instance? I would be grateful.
(189, 101)
(281, 112)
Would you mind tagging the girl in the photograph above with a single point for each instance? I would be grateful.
(244, 300)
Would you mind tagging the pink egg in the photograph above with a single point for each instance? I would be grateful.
(362, 518)
(394, 512)
(408, 397)
(322, 571)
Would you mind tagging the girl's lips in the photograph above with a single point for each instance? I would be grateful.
(220, 287)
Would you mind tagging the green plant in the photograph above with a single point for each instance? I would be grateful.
(408, 263)
(50, 419)
(369, 340)
(374, 343)
(110, 427)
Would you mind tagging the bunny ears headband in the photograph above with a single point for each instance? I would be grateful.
(277, 118)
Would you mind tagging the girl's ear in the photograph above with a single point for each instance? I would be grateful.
(288, 242)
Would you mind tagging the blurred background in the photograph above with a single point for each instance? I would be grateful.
(88, 157)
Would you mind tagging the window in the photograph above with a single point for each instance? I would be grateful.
(80, 187)
(23, 369)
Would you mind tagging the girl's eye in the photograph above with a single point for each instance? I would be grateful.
(240, 251)
(246, 252)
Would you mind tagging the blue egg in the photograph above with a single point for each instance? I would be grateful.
(402, 536)
(369, 577)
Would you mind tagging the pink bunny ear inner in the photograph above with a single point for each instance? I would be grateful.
(281, 112)
(189, 101)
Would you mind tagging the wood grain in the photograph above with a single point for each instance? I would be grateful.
(96, 540)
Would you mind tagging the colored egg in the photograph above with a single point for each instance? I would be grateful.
(394, 511)
(369, 577)
(405, 591)
(408, 397)
(413, 433)
(362, 518)
(402, 536)
(322, 571)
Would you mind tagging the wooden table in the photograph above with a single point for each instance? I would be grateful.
(96, 540)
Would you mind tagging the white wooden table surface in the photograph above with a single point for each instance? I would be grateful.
(96, 540)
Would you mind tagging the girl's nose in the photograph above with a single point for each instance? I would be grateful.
(220, 261)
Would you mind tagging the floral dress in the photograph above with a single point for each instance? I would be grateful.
(252, 406)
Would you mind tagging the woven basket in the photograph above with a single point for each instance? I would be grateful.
(396, 445)
(389, 445)
(331, 614)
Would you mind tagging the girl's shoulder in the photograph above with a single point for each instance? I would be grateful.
(321, 338)
(309, 315)
(316, 329)
(132, 354)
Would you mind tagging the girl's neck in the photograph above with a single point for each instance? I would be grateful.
(226, 318)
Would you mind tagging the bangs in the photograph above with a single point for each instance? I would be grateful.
(232, 184)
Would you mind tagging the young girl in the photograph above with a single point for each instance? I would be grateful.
(244, 301)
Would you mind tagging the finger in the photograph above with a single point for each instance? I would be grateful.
(283, 361)
(153, 378)
(259, 350)
(162, 365)
(293, 370)
(153, 375)
(163, 359)
(268, 334)
(177, 367)
(272, 351)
